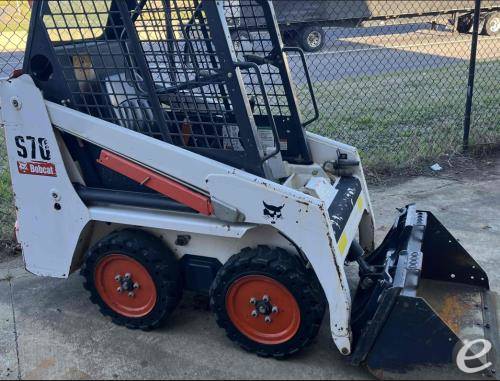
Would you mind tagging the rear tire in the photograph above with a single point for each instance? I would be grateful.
(295, 303)
(133, 278)
(312, 38)
(492, 24)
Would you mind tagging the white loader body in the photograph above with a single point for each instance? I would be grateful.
(56, 227)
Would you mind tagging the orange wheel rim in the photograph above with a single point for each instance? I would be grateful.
(125, 286)
(263, 309)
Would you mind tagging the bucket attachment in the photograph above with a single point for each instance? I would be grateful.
(421, 304)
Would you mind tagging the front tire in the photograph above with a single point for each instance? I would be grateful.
(268, 302)
(133, 278)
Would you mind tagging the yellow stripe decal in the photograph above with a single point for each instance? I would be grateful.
(342, 243)
(360, 203)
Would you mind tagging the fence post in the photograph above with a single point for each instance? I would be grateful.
(472, 73)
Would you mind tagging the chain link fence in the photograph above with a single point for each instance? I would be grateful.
(14, 23)
(485, 119)
(391, 77)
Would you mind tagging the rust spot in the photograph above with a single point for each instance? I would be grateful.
(451, 310)
(39, 373)
(457, 307)
(47, 363)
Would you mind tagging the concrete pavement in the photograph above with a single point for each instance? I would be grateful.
(49, 329)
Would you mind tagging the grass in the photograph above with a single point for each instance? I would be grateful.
(6, 200)
(400, 118)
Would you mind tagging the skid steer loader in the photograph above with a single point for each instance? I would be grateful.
(156, 151)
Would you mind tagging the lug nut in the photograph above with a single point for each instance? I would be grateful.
(131, 294)
(136, 286)
(128, 276)
(118, 278)
(265, 298)
(255, 313)
(253, 301)
(275, 310)
(119, 290)
(268, 319)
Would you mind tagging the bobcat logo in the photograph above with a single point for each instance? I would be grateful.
(273, 212)
(23, 167)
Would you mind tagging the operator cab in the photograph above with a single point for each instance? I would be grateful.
(175, 72)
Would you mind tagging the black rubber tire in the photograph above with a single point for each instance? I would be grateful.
(158, 260)
(491, 20)
(291, 272)
(303, 38)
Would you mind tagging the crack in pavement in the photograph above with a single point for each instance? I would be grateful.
(15, 329)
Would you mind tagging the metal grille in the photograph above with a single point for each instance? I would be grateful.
(252, 41)
(186, 67)
(107, 80)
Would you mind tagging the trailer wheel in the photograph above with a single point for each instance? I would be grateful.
(268, 302)
(133, 278)
(312, 38)
(492, 24)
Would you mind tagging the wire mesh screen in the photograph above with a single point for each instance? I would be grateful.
(96, 51)
(390, 76)
(252, 41)
(185, 64)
